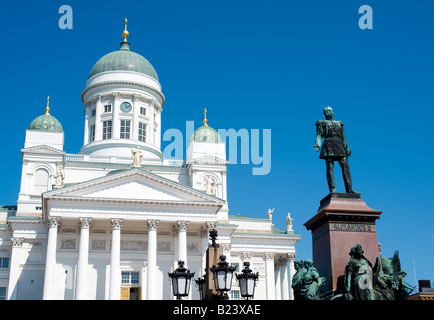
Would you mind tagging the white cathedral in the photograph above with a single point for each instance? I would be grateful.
(111, 221)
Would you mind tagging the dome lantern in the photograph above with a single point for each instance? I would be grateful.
(46, 122)
(124, 60)
(205, 133)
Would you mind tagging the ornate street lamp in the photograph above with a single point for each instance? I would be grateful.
(223, 275)
(181, 280)
(201, 284)
(247, 281)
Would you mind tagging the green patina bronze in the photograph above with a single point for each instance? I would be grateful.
(334, 148)
(124, 60)
(306, 281)
(383, 281)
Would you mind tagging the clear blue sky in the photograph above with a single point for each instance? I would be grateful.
(255, 65)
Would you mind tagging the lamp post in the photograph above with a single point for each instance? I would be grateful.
(201, 284)
(223, 275)
(247, 281)
(181, 280)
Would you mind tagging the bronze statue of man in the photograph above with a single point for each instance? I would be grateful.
(334, 148)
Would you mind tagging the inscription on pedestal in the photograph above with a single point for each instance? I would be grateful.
(352, 227)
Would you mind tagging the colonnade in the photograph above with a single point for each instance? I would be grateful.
(277, 281)
(115, 279)
(284, 272)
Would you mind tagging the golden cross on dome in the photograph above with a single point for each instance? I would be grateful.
(204, 120)
(125, 33)
(48, 106)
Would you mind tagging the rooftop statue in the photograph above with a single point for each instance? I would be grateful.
(334, 148)
(137, 156)
(270, 214)
(289, 223)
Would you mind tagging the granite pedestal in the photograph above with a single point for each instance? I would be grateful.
(342, 221)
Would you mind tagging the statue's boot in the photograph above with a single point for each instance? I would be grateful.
(331, 184)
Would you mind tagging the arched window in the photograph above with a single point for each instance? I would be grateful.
(40, 181)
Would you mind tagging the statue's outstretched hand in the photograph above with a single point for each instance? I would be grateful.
(316, 148)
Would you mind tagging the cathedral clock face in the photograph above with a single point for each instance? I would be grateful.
(126, 107)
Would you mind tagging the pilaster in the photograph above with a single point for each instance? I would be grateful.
(15, 270)
(50, 263)
(83, 259)
(269, 271)
(115, 260)
(116, 109)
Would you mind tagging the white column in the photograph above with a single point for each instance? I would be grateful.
(116, 109)
(175, 247)
(152, 259)
(83, 259)
(269, 271)
(143, 282)
(150, 127)
(285, 282)
(277, 280)
(291, 274)
(86, 123)
(50, 262)
(180, 244)
(135, 122)
(158, 127)
(14, 267)
(115, 261)
(98, 124)
(182, 241)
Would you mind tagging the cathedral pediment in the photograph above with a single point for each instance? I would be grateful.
(42, 150)
(134, 185)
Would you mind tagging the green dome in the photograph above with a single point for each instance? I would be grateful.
(126, 60)
(46, 122)
(206, 134)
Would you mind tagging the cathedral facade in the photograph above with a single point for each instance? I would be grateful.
(111, 221)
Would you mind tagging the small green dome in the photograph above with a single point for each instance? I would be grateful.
(206, 134)
(126, 60)
(46, 122)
